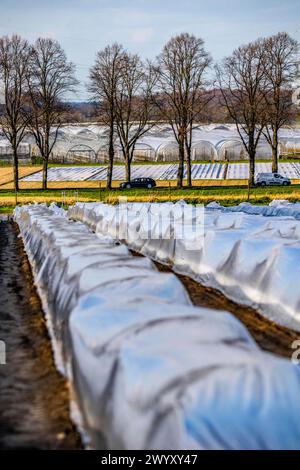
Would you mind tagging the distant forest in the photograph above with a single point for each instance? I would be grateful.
(215, 111)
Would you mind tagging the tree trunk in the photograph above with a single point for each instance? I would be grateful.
(45, 172)
(127, 165)
(16, 166)
(111, 155)
(251, 166)
(275, 152)
(188, 166)
(188, 150)
(252, 154)
(181, 164)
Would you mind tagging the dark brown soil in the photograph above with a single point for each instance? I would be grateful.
(268, 335)
(34, 397)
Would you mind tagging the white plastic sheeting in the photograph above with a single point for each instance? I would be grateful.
(277, 208)
(169, 172)
(98, 173)
(74, 173)
(252, 259)
(224, 141)
(241, 170)
(149, 370)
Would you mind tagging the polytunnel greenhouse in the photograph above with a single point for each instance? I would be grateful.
(204, 150)
(81, 153)
(231, 150)
(6, 152)
(290, 146)
(210, 143)
(142, 153)
(86, 134)
(167, 152)
(103, 153)
(234, 150)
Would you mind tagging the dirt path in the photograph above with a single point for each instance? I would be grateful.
(34, 402)
(268, 335)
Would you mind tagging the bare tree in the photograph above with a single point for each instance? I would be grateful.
(181, 69)
(199, 102)
(50, 77)
(14, 58)
(104, 78)
(134, 105)
(280, 52)
(243, 84)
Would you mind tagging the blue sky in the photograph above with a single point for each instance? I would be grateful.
(143, 26)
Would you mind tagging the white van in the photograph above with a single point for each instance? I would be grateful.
(271, 179)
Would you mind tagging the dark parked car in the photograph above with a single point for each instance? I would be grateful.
(139, 183)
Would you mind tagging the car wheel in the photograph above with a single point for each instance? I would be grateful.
(263, 183)
(128, 186)
(149, 186)
(284, 183)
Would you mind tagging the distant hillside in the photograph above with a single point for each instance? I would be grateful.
(81, 111)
